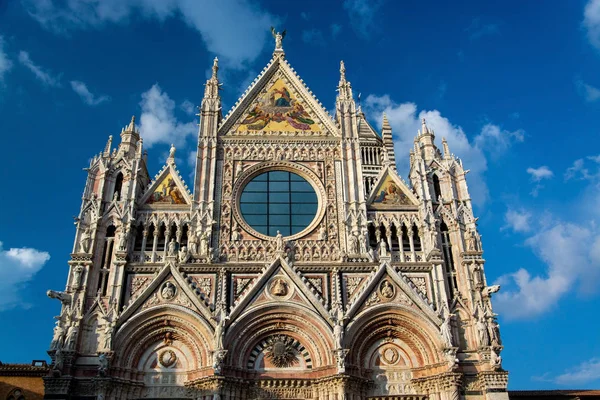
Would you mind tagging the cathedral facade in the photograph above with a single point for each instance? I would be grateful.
(300, 265)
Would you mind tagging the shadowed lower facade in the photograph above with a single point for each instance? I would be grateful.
(300, 265)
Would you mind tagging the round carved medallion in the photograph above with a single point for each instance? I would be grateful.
(167, 358)
(390, 355)
(168, 291)
(387, 291)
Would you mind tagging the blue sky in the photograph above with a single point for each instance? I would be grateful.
(514, 87)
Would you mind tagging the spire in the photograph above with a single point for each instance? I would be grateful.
(107, 147)
(388, 142)
(446, 148)
(424, 129)
(131, 127)
(211, 99)
(344, 87)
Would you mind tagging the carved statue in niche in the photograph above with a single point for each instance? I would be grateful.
(386, 289)
(279, 287)
(58, 361)
(383, 249)
(221, 319)
(71, 337)
(172, 249)
(184, 255)
(77, 274)
(446, 330)
(472, 243)
(291, 254)
(123, 240)
(107, 334)
(338, 334)
(57, 339)
(204, 244)
(86, 240)
(193, 244)
(279, 242)
(322, 232)
(364, 243)
(495, 332)
(482, 332)
(235, 234)
(168, 291)
(434, 238)
(239, 168)
(353, 244)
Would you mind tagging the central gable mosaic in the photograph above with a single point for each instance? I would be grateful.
(277, 109)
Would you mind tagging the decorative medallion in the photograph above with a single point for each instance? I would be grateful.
(168, 291)
(281, 351)
(279, 287)
(390, 355)
(167, 358)
(386, 290)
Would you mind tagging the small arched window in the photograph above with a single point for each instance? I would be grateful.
(118, 186)
(437, 190)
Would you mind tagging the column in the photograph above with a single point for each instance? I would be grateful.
(155, 243)
(412, 244)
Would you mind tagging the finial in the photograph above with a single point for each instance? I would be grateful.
(131, 127)
(278, 39)
(424, 129)
(342, 69)
(446, 148)
(215, 67)
(172, 152)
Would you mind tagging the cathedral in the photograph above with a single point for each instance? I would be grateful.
(299, 265)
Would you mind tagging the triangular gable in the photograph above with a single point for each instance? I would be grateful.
(391, 192)
(169, 287)
(264, 283)
(388, 285)
(278, 103)
(167, 190)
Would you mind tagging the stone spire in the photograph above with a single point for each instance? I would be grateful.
(107, 147)
(386, 135)
(447, 154)
(130, 138)
(425, 139)
(344, 87)
(211, 88)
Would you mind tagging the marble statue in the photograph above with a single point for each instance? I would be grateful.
(86, 240)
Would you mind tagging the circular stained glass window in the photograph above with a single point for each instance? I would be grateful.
(278, 201)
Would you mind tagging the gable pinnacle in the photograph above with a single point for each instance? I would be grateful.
(215, 68)
(424, 128)
(342, 72)
(131, 127)
(278, 39)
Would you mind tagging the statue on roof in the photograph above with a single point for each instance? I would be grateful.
(278, 38)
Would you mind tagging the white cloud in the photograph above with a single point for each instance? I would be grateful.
(591, 22)
(589, 92)
(235, 30)
(538, 174)
(518, 221)
(581, 169)
(188, 107)
(43, 76)
(5, 63)
(17, 267)
(405, 122)
(571, 253)
(158, 123)
(495, 140)
(586, 372)
(361, 14)
(88, 98)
